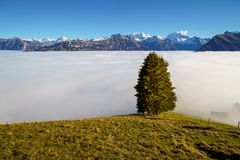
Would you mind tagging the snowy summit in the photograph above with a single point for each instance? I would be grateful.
(140, 36)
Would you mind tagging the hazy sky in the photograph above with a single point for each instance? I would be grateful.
(98, 18)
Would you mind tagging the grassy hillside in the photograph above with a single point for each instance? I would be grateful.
(120, 137)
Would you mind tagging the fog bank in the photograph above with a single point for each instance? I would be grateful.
(39, 86)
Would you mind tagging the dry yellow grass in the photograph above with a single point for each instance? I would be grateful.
(120, 137)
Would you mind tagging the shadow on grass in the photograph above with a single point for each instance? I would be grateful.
(199, 127)
(217, 153)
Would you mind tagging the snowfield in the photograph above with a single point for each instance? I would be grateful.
(41, 86)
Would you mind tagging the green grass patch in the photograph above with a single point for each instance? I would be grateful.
(172, 136)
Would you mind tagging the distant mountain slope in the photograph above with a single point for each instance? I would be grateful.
(183, 42)
(28, 44)
(229, 41)
(116, 42)
(156, 43)
(12, 44)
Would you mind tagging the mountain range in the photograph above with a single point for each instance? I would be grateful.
(16, 43)
(135, 41)
(229, 41)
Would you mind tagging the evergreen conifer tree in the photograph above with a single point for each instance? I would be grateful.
(155, 93)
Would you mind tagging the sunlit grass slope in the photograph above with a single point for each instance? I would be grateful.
(121, 137)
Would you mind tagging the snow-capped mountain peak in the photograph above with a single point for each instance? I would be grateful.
(179, 36)
(32, 39)
(61, 39)
(99, 39)
(35, 39)
(47, 39)
(159, 37)
(152, 39)
(140, 36)
(183, 32)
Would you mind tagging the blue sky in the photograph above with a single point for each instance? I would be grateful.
(99, 18)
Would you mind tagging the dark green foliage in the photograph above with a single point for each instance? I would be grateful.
(154, 88)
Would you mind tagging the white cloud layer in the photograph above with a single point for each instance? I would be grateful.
(70, 85)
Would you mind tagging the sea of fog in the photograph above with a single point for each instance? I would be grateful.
(41, 86)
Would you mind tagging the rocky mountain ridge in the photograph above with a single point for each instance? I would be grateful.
(229, 41)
